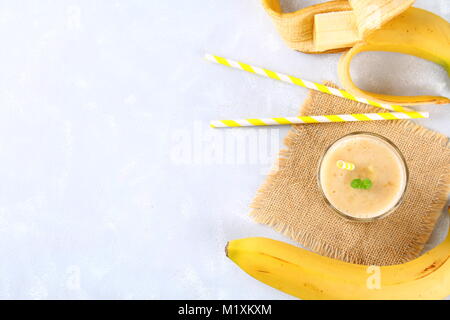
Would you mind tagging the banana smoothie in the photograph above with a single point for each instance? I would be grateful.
(363, 176)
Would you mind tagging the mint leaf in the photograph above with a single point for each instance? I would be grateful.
(366, 184)
(356, 183)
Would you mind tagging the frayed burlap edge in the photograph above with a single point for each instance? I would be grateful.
(305, 239)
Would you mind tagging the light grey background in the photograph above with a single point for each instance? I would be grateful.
(108, 187)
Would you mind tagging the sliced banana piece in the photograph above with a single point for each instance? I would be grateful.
(335, 30)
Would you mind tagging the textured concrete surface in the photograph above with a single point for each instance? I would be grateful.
(112, 184)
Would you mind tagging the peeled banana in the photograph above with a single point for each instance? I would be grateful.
(307, 275)
(297, 28)
(416, 32)
(366, 25)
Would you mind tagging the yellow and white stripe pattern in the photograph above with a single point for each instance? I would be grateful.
(300, 82)
(341, 164)
(318, 119)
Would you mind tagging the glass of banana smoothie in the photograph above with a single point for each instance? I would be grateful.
(363, 176)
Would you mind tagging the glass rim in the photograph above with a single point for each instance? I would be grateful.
(390, 210)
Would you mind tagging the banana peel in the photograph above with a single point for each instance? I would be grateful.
(415, 32)
(371, 15)
(297, 28)
(307, 275)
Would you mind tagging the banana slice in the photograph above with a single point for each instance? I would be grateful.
(335, 30)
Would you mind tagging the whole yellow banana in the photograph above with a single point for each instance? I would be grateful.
(307, 275)
(415, 32)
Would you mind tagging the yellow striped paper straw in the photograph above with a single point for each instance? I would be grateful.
(318, 119)
(300, 82)
(341, 164)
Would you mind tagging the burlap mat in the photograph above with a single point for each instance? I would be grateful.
(290, 200)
